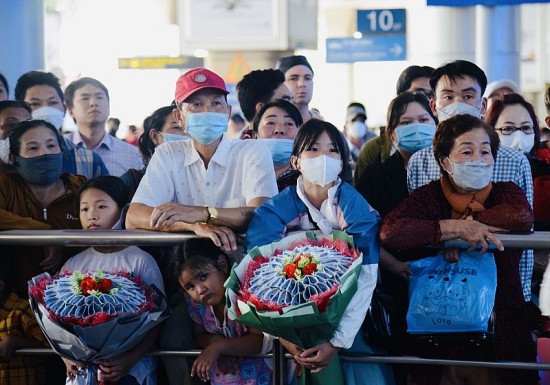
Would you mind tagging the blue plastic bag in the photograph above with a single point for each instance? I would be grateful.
(449, 297)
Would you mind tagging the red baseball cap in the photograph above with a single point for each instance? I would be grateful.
(195, 80)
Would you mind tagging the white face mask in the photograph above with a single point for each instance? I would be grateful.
(49, 114)
(5, 150)
(457, 108)
(320, 170)
(471, 175)
(357, 129)
(518, 141)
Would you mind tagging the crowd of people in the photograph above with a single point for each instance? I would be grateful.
(458, 158)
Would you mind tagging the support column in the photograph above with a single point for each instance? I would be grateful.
(454, 32)
(497, 44)
(22, 42)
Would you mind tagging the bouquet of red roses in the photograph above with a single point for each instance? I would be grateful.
(94, 316)
(297, 288)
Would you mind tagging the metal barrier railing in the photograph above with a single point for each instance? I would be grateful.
(346, 357)
(534, 240)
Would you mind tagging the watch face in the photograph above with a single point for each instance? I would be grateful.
(213, 213)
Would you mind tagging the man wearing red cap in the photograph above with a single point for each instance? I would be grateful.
(209, 185)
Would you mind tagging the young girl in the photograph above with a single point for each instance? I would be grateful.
(321, 200)
(202, 269)
(101, 200)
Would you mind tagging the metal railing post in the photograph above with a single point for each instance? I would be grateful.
(278, 363)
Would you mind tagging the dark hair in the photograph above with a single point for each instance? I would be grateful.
(26, 125)
(450, 129)
(311, 130)
(155, 121)
(37, 78)
(115, 120)
(409, 74)
(257, 87)
(459, 69)
(287, 62)
(5, 83)
(237, 118)
(499, 105)
(77, 84)
(196, 254)
(110, 185)
(4, 104)
(356, 104)
(547, 100)
(290, 108)
(399, 104)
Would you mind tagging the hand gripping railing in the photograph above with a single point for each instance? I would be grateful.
(535, 240)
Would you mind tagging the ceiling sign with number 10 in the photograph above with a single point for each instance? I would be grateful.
(381, 21)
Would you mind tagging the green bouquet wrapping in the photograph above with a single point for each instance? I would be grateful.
(297, 288)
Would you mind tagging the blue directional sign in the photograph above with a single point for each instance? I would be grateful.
(371, 21)
(372, 48)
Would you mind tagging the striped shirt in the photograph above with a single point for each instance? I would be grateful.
(117, 155)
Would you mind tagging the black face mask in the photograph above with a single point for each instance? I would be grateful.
(40, 170)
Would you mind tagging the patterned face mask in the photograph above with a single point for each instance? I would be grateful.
(40, 170)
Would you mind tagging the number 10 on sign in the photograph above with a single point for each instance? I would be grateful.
(370, 21)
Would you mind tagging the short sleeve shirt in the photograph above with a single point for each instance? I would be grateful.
(238, 172)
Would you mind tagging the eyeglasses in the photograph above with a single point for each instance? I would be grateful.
(509, 130)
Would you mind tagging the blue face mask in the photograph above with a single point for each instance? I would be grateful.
(206, 127)
(174, 137)
(281, 149)
(415, 136)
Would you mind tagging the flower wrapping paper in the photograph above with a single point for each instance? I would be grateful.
(99, 336)
(304, 324)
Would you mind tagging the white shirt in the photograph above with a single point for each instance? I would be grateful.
(117, 155)
(239, 171)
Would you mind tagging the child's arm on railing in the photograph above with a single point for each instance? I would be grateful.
(215, 345)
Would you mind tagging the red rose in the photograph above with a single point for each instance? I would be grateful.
(290, 270)
(88, 284)
(310, 268)
(105, 285)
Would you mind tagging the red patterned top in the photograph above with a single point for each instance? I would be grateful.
(415, 223)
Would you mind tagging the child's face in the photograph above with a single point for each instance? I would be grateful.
(98, 211)
(204, 285)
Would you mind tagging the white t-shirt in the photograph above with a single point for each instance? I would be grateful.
(238, 172)
(131, 260)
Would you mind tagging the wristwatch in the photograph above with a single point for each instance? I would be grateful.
(212, 214)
